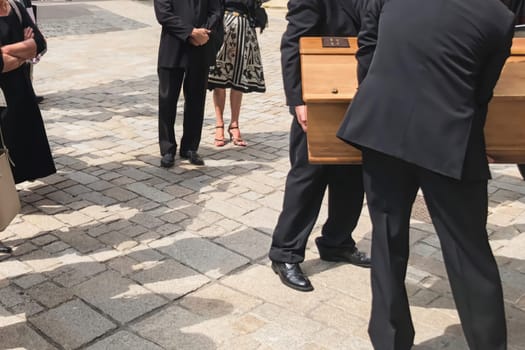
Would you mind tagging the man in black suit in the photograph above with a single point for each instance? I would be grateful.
(306, 183)
(418, 116)
(185, 54)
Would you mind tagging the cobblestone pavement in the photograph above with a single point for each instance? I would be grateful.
(114, 252)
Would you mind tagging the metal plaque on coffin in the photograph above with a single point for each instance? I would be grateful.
(329, 83)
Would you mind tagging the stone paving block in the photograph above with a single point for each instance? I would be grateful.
(75, 218)
(428, 338)
(60, 196)
(44, 222)
(344, 278)
(247, 242)
(515, 325)
(352, 305)
(96, 212)
(49, 294)
(120, 194)
(149, 192)
(98, 198)
(144, 254)
(262, 219)
(79, 240)
(204, 256)
(105, 254)
(244, 342)
(16, 334)
(124, 265)
(124, 340)
(14, 268)
(118, 241)
(28, 308)
(121, 298)
(434, 318)
(146, 220)
(132, 230)
(284, 329)
(170, 279)
(75, 268)
(56, 247)
(77, 190)
(24, 249)
(72, 324)
(343, 320)
(217, 300)
(11, 296)
(40, 261)
(261, 282)
(148, 237)
(332, 339)
(27, 281)
(44, 239)
(50, 207)
(172, 328)
(226, 208)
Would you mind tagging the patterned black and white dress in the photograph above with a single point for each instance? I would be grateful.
(238, 64)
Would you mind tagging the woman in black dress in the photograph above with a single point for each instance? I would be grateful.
(7, 64)
(22, 124)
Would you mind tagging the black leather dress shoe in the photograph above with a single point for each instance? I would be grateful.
(292, 276)
(193, 157)
(167, 160)
(343, 254)
(5, 250)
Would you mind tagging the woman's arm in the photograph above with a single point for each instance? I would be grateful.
(10, 62)
(24, 50)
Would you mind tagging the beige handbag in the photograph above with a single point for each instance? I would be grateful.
(9, 201)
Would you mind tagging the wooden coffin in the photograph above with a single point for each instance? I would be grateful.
(329, 82)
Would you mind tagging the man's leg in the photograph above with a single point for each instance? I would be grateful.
(195, 83)
(345, 202)
(303, 194)
(390, 187)
(459, 213)
(170, 82)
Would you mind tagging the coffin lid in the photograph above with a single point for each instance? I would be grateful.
(329, 73)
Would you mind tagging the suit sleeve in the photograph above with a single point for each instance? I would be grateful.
(492, 69)
(173, 23)
(215, 14)
(303, 17)
(367, 37)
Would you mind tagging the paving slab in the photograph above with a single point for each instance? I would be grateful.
(72, 324)
(118, 297)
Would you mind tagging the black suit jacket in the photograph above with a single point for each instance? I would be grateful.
(426, 74)
(313, 18)
(178, 18)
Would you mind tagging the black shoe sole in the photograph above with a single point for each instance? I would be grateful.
(342, 260)
(288, 284)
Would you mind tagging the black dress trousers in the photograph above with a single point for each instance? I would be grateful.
(303, 195)
(193, 80)
(458, 209)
